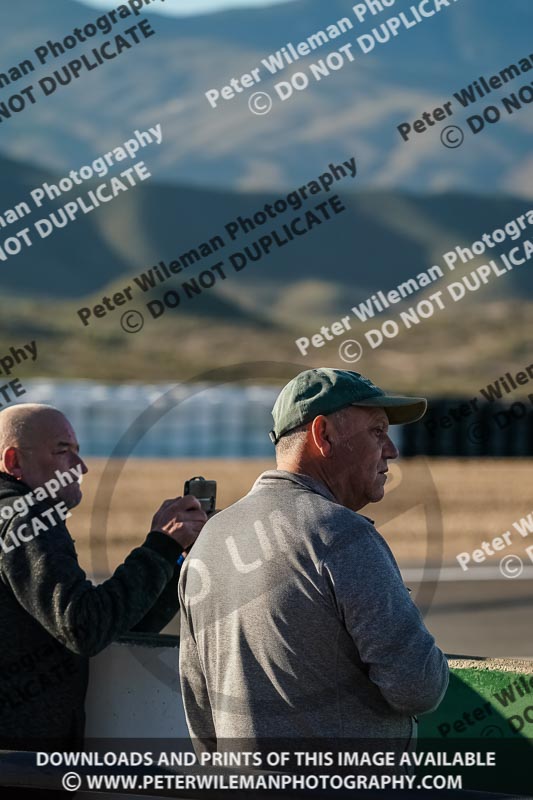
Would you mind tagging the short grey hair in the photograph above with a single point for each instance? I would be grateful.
(293, 441)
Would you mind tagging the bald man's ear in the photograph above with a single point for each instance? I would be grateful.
(12, 463)
(321, 432)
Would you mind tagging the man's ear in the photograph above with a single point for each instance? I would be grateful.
(12, 463)
(321, 433)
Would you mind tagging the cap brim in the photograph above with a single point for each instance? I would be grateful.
(399, 410)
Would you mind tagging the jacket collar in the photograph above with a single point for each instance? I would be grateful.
(7, 481)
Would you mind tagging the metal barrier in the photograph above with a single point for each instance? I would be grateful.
(452, 427)
(203, 421)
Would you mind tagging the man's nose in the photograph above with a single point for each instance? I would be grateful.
(83, 465)
(389, 449)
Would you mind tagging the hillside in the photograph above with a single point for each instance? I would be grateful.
(454, 354)
(381, 240)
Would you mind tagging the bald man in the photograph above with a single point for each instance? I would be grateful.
(51, 617)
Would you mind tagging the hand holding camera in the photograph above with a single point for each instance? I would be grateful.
(182, 518)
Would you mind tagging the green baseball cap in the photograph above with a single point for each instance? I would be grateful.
(324, 390)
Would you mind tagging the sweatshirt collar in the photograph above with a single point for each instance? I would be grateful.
(296, 477)
(311, 484)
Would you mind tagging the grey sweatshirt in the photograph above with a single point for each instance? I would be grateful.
(52, 619)
(296, 623)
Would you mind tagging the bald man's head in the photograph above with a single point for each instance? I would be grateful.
(35, 441)
(22, 425)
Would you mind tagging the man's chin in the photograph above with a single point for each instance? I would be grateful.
(357, 503)
(72, 499)
(378, 494)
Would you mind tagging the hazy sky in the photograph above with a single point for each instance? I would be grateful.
(188, 7)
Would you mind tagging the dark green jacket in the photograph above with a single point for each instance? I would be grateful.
(52, 619)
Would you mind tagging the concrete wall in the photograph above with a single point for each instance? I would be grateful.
(134, 690)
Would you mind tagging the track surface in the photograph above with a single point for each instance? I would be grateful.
(483, 617)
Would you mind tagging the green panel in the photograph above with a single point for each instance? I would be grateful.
(483, 703)
(486, 710)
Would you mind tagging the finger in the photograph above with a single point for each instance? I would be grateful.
(197, 522)
(169, 502)
(193, 514)
(188, 502)
(192, 524)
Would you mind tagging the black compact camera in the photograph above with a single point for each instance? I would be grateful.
(204, 491)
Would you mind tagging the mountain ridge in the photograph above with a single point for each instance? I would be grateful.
(382, 238)
(357, 108)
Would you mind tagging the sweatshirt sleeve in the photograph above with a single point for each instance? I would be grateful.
(386, 627)
(45, 577)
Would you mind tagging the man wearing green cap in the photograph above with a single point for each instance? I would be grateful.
(295, 618)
